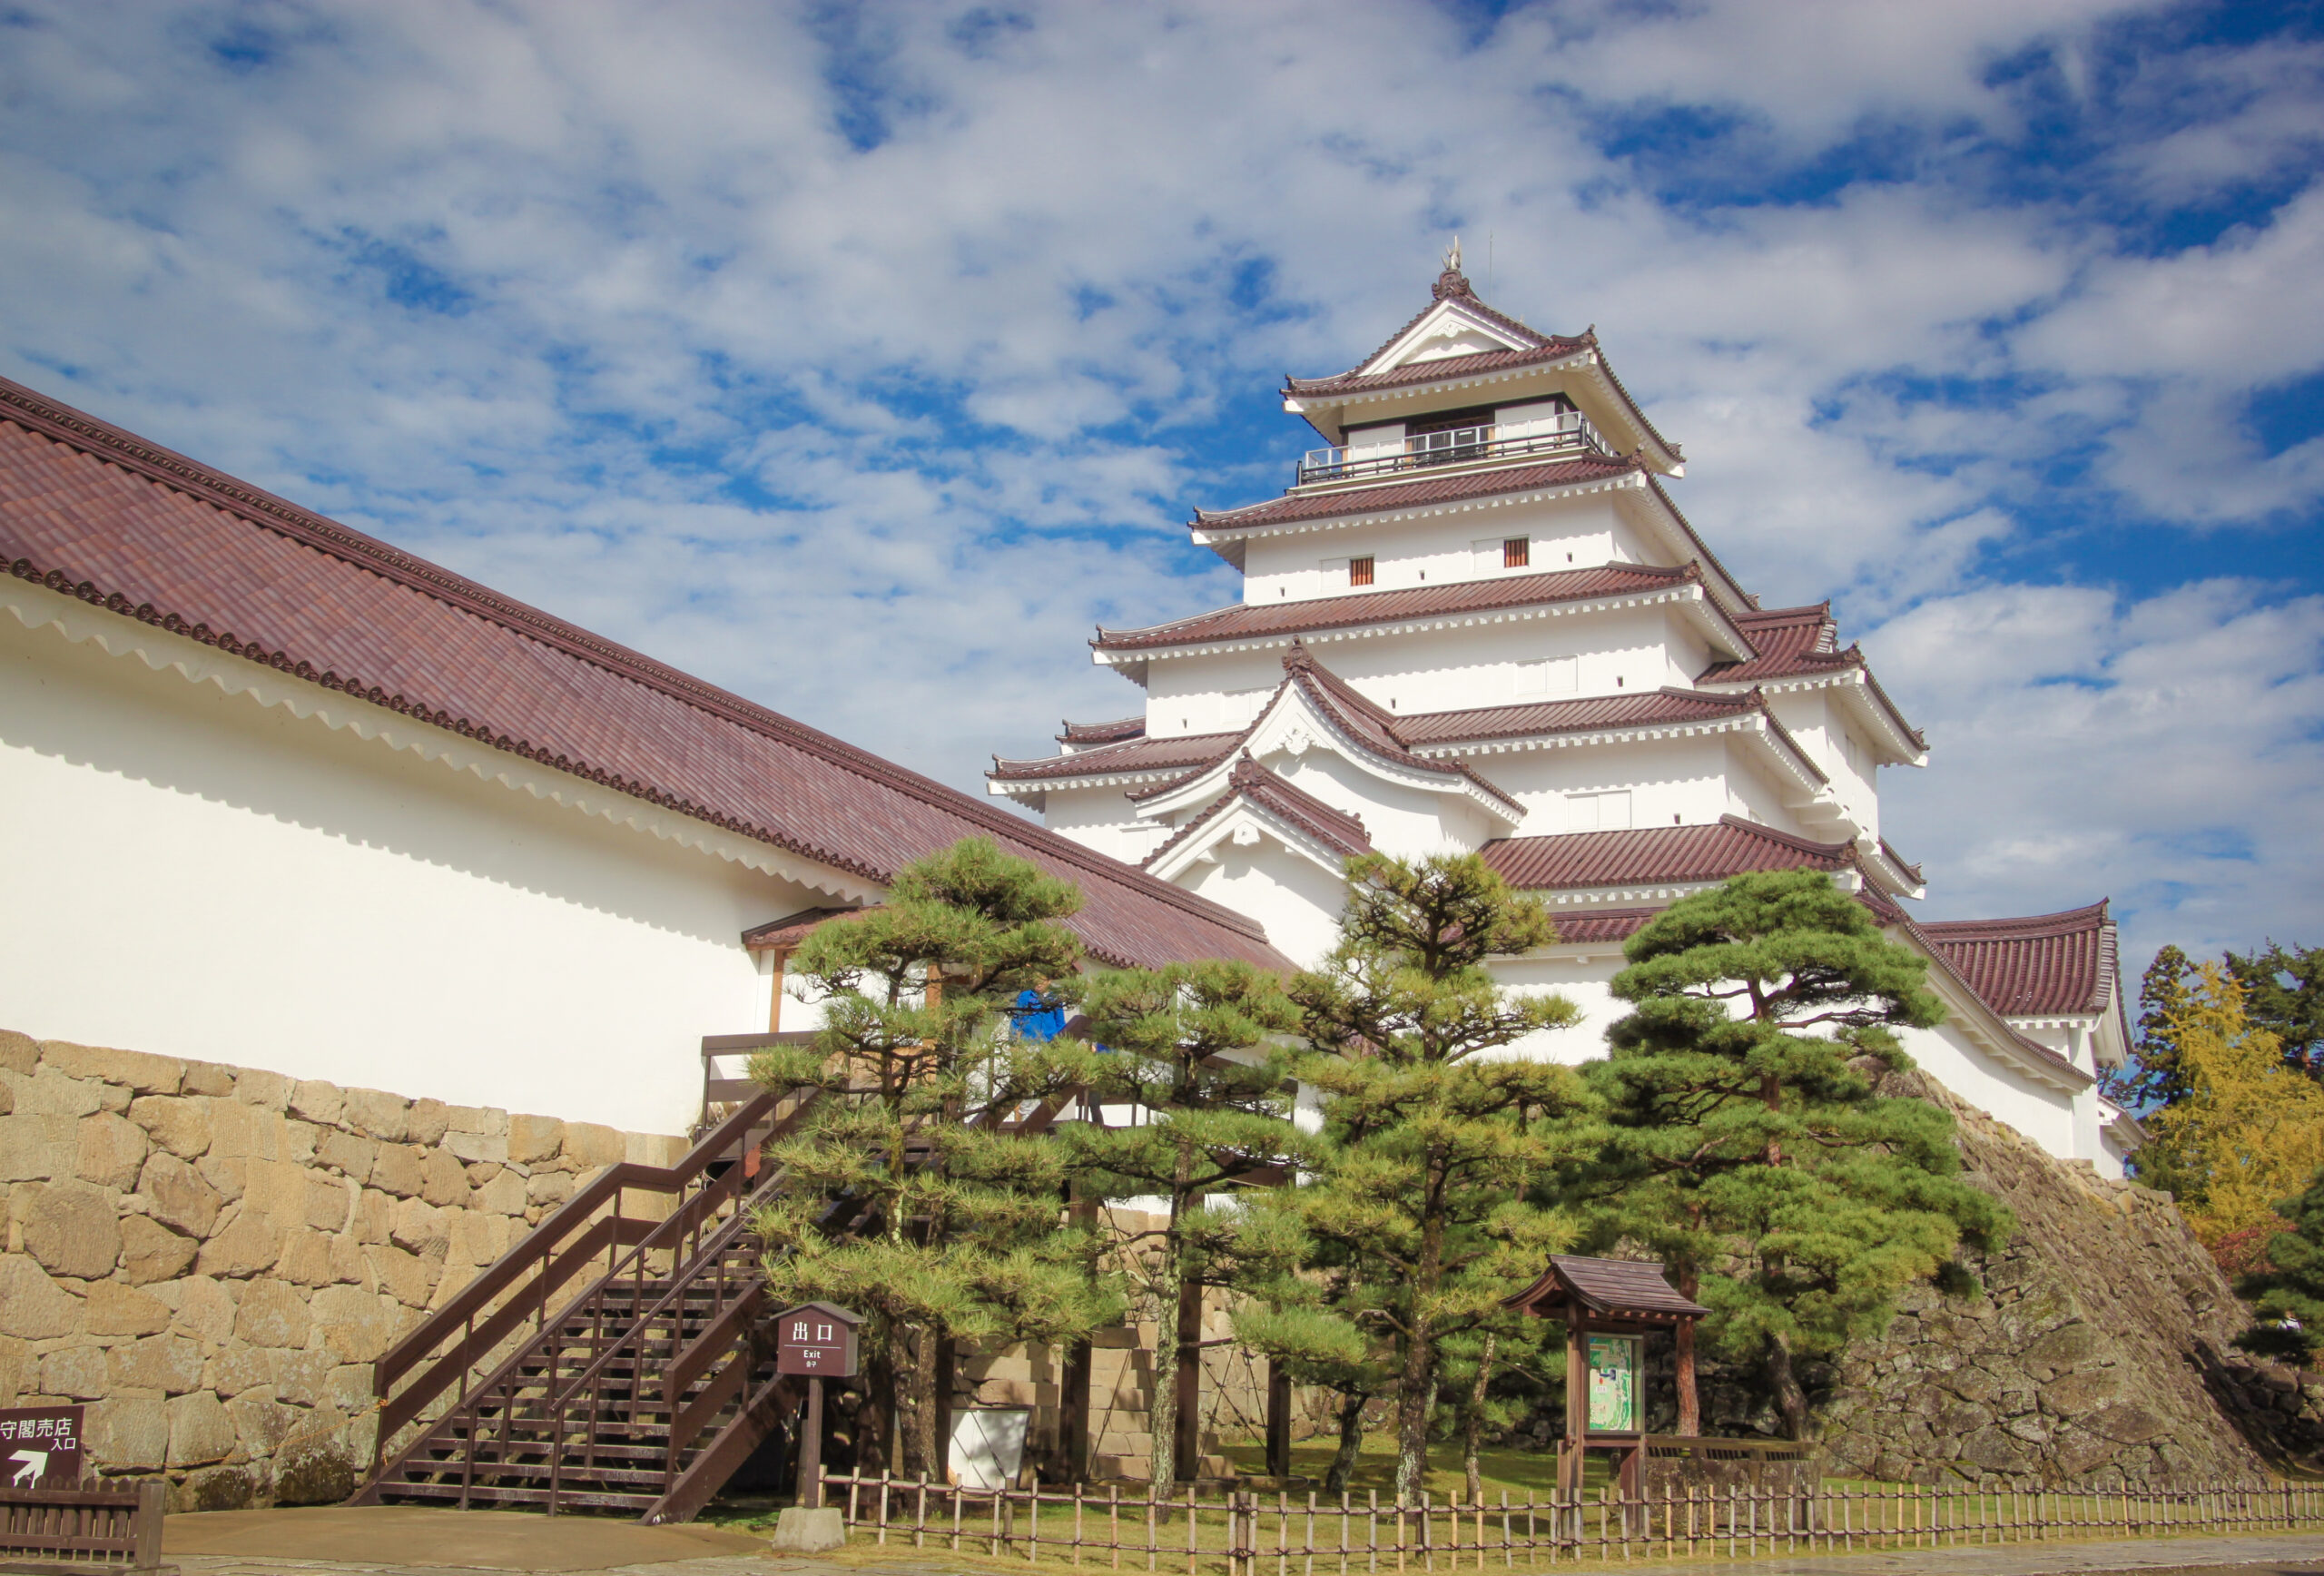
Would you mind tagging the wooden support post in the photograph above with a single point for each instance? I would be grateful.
(1278, 1419)
(781, 961)
(811, 1447)
(1577, 1402)
(1186, 1454)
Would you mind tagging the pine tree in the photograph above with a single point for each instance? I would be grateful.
(1430, 1140)
(1748, 1148)
(2151, 1080)
(2288, 1299)
(1188, 1047)
(2283, 992)
(905, 1200)
(2248, 1131)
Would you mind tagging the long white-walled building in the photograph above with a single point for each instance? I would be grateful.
(280, 795)
(1477, 621)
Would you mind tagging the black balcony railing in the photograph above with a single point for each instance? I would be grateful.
(1571, 434)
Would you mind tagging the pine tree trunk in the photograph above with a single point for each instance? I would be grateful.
(1351, 1443)
(1162, 1411)
(875, 1420)
(1790, 1400)
(930, 1376)
(1472, 1425)
(1416, 1383)
(1690, 1406)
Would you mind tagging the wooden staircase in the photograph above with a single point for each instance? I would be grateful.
(609, 1360)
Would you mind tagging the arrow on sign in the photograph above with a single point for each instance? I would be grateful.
(35, 1467)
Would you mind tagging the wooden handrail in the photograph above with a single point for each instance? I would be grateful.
(539, 1248)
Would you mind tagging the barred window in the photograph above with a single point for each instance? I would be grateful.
(1359, 571)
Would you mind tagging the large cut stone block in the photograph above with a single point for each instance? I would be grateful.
(202, 1431)
(19, 1053)
(180, 1197)
(79, 1372)
(115, 1309)
(428, 1121)
(532, 1139)
(72, 1231)
(346, 1153)
(170, 1363)
(473, 1146)
(36, 1148)
(178, 1124)
(51, 1092)
(112, 1150)
(443, 1180)
(207, 1077)
(590, 1146)
(271, 1315)
(407, 1277)
(132, 1069)
(130, 1434)
(315, 1101)
(381, 1117)
(268, 1091)
(358, 1325)
(205, 1307)
(247, 1246)
(504, 1195)
(152, 1252)
(395, 1169)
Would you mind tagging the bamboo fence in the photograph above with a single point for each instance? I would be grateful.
(1283, 1534)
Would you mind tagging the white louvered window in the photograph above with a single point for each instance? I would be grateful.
(1598, 812)
(1553, 676)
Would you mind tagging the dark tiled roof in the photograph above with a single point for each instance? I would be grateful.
(1137, 755)
(1261, 620)
(1536, 347)
(1335, 829)
(1602, 924)
(101, 514)
(782, 934)
(1550, 349)
(1901, 863)
(1112, 732)
(1788, 640)
(1398, 494)
(1636, 709)
(1607, 1285)
(1657, 854)
(1792, 640)
(2033, 967)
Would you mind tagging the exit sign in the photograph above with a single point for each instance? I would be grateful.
(816, 1339)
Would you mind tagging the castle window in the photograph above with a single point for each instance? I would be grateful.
(1598, 812)
(1359, 571)
(1516, 552)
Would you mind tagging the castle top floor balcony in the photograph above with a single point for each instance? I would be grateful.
(1565, 433)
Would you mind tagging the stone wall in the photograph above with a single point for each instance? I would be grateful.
(2096, 1350)
(211, 1257)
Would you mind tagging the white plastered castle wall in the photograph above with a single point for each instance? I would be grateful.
(1614, 651)
(303, 882)
(1296, 899)
(1440, 549)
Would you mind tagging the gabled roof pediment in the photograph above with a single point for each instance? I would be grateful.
(1444, 330)
(1313, 709)
(1259, 805)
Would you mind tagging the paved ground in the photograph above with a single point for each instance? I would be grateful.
(408, 1540)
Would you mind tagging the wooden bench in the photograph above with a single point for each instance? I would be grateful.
(82, 1529)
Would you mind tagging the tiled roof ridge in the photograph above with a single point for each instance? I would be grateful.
(1468, 298)
(1493, 481)
(1901, 863)
(1714, 702)
(1330, 691)
(1450, 588)
(1702, 548)
(101, 440)
(1101, 758)
(1839, 852)
(2066, 921)
(1110, 731)
(1250, 779)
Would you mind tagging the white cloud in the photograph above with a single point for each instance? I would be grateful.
(2168, 752)
(566, 294)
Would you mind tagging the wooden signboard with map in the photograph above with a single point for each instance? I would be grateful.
(1608, 1305)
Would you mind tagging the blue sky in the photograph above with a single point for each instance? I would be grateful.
(861, 357)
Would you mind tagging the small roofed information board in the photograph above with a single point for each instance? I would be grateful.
(816, 1340)
(1614, 1383)
(40, 1444)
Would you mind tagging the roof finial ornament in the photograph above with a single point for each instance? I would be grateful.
(1452, 281)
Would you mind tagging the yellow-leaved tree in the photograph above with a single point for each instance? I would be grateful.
(2248, 1132)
